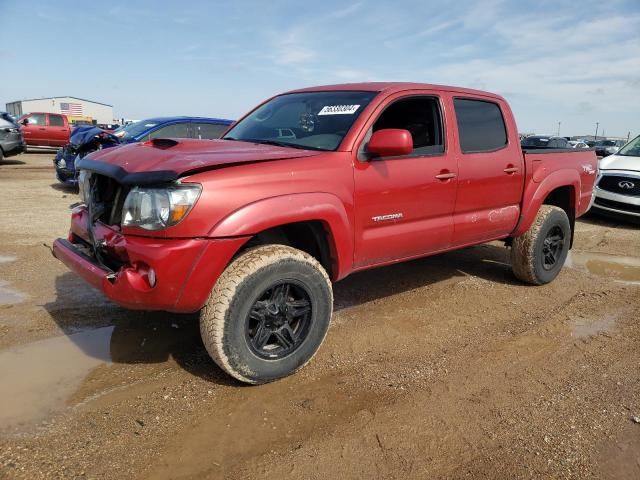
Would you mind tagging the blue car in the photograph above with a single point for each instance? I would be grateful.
(87, 139)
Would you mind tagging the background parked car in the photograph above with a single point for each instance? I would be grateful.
(173, 127)
(45, 130)
(617, 191)
(87, 139)
(545, 141)
(11, 141)
(108, 127)
(576, 144)
(84, 140)
(608, 147)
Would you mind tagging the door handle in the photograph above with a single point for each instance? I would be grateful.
(42, 128)
(511, 170)
(446, 176)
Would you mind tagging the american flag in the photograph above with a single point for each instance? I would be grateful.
(73, 109)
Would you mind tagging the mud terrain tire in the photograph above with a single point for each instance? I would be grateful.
(538, 255)
(251, 297)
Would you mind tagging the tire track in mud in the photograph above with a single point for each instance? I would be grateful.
(475, 411)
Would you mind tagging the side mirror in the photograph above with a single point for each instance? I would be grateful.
(390, 142)
(25, 121)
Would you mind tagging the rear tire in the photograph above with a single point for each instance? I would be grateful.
(538, 255)
(268, 313)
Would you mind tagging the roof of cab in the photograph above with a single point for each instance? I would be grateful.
(393, 87)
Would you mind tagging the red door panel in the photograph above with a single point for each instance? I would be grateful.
(34, 132)
(402, 209)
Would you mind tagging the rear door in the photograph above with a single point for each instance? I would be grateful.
(57, 130)
(35, 131)
(491, 171)
(404, 205)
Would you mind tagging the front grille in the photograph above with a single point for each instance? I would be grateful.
(621, 185)
(107, 197)
(625, 207)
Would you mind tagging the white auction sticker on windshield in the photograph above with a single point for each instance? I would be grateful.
(339, 110)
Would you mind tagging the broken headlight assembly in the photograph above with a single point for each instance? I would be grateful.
(155, 208)
(84, 186)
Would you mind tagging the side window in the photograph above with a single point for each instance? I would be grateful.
(37, 119)
(421, 117)
(208, 131)
(56, 121)
(175, 130)
(480, 125)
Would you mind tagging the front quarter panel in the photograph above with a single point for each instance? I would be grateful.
(246, 199)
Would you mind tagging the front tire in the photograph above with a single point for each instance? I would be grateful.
(538, 255)
(268, 313)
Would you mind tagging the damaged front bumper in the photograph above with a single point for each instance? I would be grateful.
(145, 273)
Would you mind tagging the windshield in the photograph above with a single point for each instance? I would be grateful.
(631, 149)
(606, 143)
(134, 130)
(310, 120)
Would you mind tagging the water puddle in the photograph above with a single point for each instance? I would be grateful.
(38, 379)
(9, 296)
(585, 327)
(616, 267)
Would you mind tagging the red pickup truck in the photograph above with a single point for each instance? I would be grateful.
(45, 130)
(312, 185)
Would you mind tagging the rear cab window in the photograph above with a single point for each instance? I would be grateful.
(481, 125)
(56, 120)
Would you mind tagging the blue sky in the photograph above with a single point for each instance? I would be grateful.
(573, 62)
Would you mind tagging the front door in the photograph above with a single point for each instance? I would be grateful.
(404, 205)
(35, 131)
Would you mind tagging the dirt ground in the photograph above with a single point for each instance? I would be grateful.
(445, 367)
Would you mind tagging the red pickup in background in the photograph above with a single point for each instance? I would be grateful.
(45, 130)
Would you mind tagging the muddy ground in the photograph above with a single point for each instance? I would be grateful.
(446, 367)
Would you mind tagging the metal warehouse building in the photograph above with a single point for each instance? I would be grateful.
(74, 107)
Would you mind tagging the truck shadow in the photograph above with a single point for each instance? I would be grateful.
(602, 220)
(138, 337)
(11, 161)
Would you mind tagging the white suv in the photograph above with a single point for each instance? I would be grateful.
(617, 191)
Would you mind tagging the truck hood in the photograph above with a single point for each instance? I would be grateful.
(620, 162)
(165, 160)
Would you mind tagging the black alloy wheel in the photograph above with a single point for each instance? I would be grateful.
(552, 247)
(279, 320)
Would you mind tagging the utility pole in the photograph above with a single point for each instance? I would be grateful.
(628, 135)
(559, 128)
(596, 135)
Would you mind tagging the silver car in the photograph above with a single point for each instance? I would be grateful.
(617, 191)
(11, 141)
